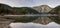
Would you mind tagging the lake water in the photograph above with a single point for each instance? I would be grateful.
(42, 20)
(34, 25)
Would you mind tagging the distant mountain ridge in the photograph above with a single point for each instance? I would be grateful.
(6, 9)
(42, 8)
(25, 10)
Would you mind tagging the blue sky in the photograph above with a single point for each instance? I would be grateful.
(30, 3)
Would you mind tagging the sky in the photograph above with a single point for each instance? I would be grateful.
(30, 3)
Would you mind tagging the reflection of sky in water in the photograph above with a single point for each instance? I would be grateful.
(34, 25)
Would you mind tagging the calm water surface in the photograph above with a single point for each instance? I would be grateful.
(34, 25)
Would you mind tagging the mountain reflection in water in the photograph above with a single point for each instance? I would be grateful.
(40, 22)
(34, 25)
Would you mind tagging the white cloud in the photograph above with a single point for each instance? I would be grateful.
(19, 3)
(12, 2)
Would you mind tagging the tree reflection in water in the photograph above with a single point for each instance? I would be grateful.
(37, 19)
(55, 19)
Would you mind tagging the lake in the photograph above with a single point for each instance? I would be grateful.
(36, 24)
(49, 22)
